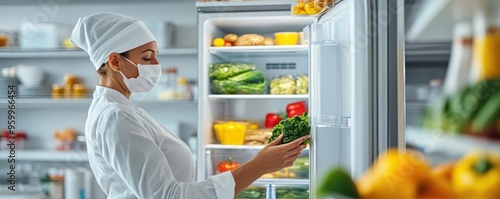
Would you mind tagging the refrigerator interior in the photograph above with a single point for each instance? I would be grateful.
(273, 63)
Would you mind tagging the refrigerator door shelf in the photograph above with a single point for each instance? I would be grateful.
(331, 121)
(262, 25)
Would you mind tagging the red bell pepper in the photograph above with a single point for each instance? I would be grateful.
(272, 119)
(296, 108)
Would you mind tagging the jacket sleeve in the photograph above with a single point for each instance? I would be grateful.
(136, 158)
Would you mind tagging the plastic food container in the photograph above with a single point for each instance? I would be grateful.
(228, 87)
(283, 85)
(286, 38)
(302, 84)
(310, 7)
(230, 133)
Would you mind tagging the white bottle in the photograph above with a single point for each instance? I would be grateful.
(74, 183)
(460, 65)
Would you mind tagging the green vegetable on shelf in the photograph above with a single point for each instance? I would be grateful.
(283, 85)
(236, 78)
(488, 115)
(252, 193)
(234, 87)
(292, 128)
(255, 76)
(225, 70)
(471, 109)
(302, 85)
(292, 193)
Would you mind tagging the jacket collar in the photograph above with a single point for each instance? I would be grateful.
(110, 93)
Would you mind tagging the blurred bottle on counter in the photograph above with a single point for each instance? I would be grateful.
(460, 65)
(168, 83)
(487, 38)
(182, 92)
(4, 40)
(74, 184)
(435, 89)
(193, 89)
(56, 184)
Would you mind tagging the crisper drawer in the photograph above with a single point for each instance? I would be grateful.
(221, 158)
(254, 192)
(290, 191)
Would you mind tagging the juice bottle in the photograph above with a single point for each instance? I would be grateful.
(487, 54)
(487, 38)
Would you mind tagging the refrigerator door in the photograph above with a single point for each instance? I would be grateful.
(330, 94)
(357, 85)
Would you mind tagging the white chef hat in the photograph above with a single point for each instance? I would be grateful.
(104, 33)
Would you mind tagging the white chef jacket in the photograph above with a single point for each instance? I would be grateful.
(133, 156)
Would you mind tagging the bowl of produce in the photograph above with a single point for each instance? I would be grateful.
(230, 133)
(283, 85)
(286, 38)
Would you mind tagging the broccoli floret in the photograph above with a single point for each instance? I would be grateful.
(293, 128)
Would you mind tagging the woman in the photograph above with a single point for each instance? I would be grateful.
(131, 154)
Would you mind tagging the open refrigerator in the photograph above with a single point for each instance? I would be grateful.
(354, 62)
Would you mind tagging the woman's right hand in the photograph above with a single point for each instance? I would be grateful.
(275, 157)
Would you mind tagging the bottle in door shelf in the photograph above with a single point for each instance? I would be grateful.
(168, 84)
(487, 38)
(487, 49)
(182, 89)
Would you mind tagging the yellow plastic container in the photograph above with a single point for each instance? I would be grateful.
(230, 133)
(286, 38)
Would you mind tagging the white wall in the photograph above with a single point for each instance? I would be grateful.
(40, 123)
(44, 121)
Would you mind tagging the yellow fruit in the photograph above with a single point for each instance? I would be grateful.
(436, 187)
(395, 175)
(219, 42)
(444, 171)
(378, 186)
(68, 44)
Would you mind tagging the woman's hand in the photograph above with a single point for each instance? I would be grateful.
(271, 158)
(275, 157)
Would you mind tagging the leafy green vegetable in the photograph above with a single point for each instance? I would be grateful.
(292, 128)
(252, 193)
(255, 76)
(234, 87)
(225, 70)
(292, 193)
(455, 113)
(488, 115)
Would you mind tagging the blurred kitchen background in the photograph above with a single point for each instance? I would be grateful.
(44, 125)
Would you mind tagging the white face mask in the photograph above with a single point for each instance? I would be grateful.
(149, 74)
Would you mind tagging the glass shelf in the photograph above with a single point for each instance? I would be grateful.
(281, 181)
(48, 155)
(242, 147)
(263, 96)
(264, 50)
(15, 52)
(77, 102)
